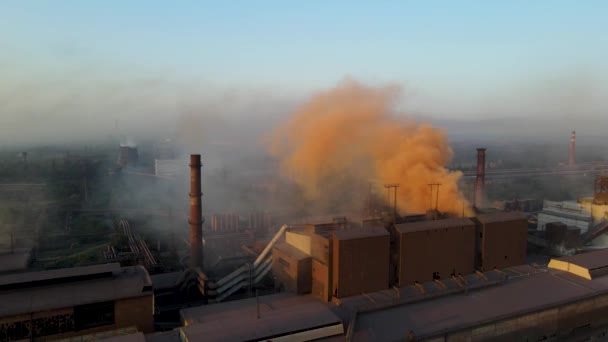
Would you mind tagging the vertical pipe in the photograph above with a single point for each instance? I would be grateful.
(572, 145)
(481, 175)
(196, 215)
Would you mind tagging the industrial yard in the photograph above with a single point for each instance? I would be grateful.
(335, 171)
(350, 267)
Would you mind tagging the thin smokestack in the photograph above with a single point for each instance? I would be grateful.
(572, 143)
(481, 175)
(196, 215)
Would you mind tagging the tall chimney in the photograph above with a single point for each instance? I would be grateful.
(572, 142)
(481, 175)
(196, 215)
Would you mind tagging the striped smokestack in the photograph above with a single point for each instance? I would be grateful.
(196, 215)
(572, 143)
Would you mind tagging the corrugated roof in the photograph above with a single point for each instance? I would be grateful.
(359, 233)
(30, 277)
(519, 295)
(591, 261)
(129, 282)
(291, 250)
(238, 321)
(433, 224)
(501, 217)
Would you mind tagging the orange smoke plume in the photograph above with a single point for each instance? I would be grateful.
(352, 131)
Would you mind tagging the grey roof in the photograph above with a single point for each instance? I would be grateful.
(521, 294)
(501, 217)
(165, 336)
(433, 224)
(136, 337)
(128, 282)
(237, 321)
(29, 277)
(359, 233)
(591, 260)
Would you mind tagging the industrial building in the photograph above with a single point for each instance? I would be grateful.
(429, 250)
(292, 267)
(502, 240)
(360, 261)
(281, 317)
(75, 301)
(522, 303)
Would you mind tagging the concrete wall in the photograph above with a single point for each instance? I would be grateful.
(138, 312)
(300, 241)
(503, 244)
(295, 273)
(321, 281)
(360, 265)
(443, 250)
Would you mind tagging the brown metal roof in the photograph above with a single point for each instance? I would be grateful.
(521, 294)
(238, 321)
(433, 224)
(591, 260)
(501, 217)
(359, 233)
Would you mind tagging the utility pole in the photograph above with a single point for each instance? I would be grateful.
(437, 198)
(388, 191)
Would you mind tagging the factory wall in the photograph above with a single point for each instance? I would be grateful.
(503, 241)
(300, 241)
(360, 264)
(321, 281)
(577, 321)
(292, 268)
(136, 312)
(442, 251)
(74, 321)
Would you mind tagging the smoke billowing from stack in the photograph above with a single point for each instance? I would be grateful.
(352, 132)
(572, 143)
(481, 178)
(196, 215)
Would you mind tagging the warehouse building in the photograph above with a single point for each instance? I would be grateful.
(279, 317)
(530, 304)
(75, 301)
(502, 240)
(360, 261)
(429, 250)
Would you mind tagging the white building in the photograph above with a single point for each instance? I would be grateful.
(170, 167)
(571, 213)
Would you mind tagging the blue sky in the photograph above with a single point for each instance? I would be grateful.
(453, 56)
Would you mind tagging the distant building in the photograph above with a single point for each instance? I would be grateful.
(170, 167)
(127, 156)
(75, 301)
(570, 213)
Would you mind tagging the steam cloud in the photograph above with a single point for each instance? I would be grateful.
(353, 132)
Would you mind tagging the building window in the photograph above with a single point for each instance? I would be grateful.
(93, 315)
(38, 327)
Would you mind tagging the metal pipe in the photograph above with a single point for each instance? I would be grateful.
(481, 175)
(196, 214)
